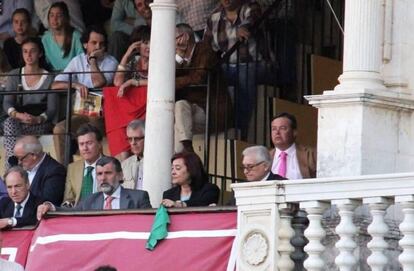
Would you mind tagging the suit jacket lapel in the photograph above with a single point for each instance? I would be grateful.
(97, 204)
(79, 169)
(124, 200)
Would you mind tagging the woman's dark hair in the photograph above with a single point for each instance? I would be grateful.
(38, 42)
(67, 28)
(195, 168)
(25, 12)
(141, 33)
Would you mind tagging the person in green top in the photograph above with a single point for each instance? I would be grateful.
(61, 41)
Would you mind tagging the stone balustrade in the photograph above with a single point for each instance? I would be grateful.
(269, 239)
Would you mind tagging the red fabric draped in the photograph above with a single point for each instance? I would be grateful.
(118, 112)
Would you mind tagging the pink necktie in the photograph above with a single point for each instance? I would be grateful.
(282, 166)
(108, 203)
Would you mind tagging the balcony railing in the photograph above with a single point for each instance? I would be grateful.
(369, 210)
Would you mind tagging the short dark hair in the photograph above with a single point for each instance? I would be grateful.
(89, 128)
(94, 28)
(23, 11)
(104, 160)
(23, 173)
(198, 175)
(290, 117)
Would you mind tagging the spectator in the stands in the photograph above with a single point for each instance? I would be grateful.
(129, 100)
(195, 13)
(256, 166)
(290, 160)
(21, 21)
(62, 42)
(227, 25)
(126, 15)
(94, 61)
(81, 178)
(191, 184)
(34, 113)
(133, 166)
(19, 209)
(7, 9)
(46, 175)
(111, 195)
(193, 59)
(76, 19)
(4, 69)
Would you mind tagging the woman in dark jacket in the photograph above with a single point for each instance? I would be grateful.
(191, 183)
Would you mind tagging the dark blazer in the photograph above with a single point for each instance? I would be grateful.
(271, 177)
(209, 193)
(49, 181)
(29, 212)
(130, 199)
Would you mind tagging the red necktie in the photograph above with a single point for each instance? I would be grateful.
(108, 203)
(282, 166)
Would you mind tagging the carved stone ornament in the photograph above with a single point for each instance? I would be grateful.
(255, 248)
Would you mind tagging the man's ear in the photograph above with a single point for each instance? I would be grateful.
(295, 134)
(84, 45)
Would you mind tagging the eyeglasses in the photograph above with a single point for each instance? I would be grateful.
(135, 139)
(250, 167)
(20, 159)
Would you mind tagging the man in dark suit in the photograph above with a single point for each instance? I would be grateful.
(256, 166)
(46, 175)
(112, 196)
(19, 209)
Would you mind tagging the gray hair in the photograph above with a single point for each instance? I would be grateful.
(136, 124)
(104, 160)
(186, 28)
(30, 144)
(260, 154)
(23, 173)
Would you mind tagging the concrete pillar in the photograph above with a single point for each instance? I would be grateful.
(160, 101)
(364, 29)
(361, 123)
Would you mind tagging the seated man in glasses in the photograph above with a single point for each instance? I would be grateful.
(256, 166)
(134, 165)
(46, 176)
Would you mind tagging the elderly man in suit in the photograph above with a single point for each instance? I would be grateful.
(81, 178)
(133, 166)
(256, 165)
(290, 160)
(46, 175)
(19, 209)
(112, 196)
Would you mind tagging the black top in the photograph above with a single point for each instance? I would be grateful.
(209, 193)
(13, 51)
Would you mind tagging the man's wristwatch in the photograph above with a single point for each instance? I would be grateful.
(10, 222)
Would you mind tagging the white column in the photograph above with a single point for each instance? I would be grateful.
(377, 229)
(346, 230)
(407, 229)
(285, 233)
(160, 101)
(314, 233)
(364, 23)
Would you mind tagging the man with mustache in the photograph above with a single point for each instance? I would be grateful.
(112, 196)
